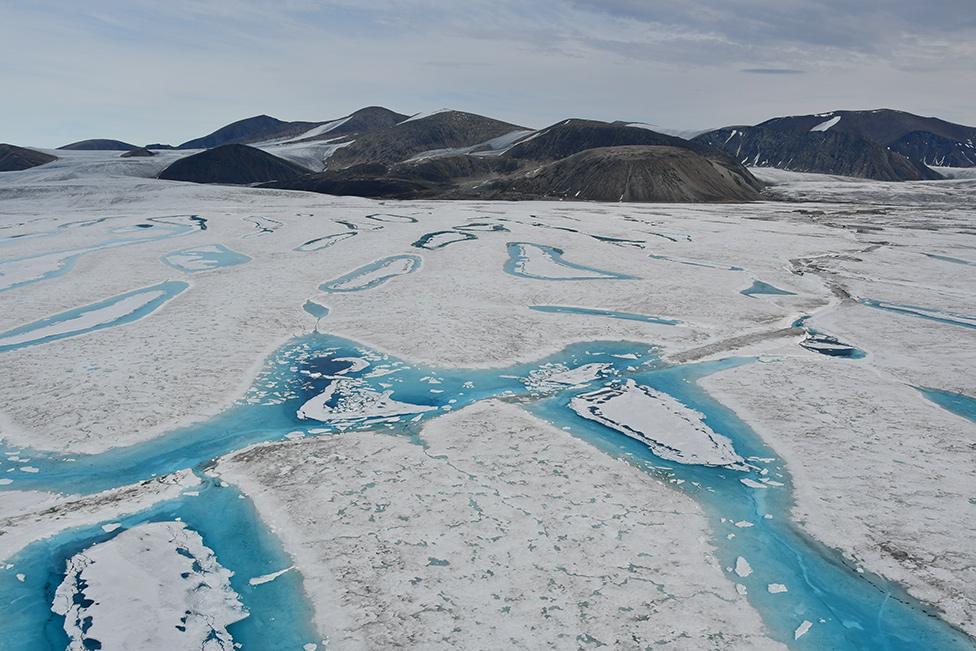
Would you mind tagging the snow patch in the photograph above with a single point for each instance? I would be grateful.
(827, 124)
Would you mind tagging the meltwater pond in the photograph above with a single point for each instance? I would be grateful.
(21, 271)
(541, 262)
(278, 614)
(958, 403)
(809, 597)
(374, 274)
(115, 311)
(351, 387)
(612, 314)
(204, 258)
(928, 313)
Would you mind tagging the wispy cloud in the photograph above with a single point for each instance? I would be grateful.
(773, 71)
(147, 71)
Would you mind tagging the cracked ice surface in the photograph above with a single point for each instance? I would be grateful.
(502, 531)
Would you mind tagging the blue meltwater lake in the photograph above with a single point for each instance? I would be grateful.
(809, 596)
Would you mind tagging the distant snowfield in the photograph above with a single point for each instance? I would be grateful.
(871, 459)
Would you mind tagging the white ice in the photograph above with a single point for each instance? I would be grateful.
(827, 124)
(671, 429)
(139, 591)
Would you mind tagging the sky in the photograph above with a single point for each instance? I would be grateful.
(148, 71)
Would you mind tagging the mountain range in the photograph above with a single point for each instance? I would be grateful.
(376, 152)
(882, 144)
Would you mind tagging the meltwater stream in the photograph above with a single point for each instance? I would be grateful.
(808, 595)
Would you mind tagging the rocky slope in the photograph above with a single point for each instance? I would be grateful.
(630, 173)
(232, 164)
(452, 154)
(264, 128)
(421, 133)
(573, 136)
(816, 151)
(881, 144)
(14, 158)
(100, 144)
(259, 127)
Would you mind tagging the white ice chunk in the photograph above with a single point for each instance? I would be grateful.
(155, 586)
(356, 403)
(742, 567)
(671, 429)
(267, 578)
(802, 629)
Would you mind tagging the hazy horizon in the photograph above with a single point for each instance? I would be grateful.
(144, 73)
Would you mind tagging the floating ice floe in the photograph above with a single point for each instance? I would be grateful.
(204, 258)
(340, 403)
(118, 310)
(267, 578)
(742, 567)
(374, 274)
(153, 586)
(802, 629)
(440, 239)
(541, 262)
(320, 243)
(551, 378)
(752, 483)
(672, 430)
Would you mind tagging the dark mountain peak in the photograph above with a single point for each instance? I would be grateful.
(14, 158)
(632, 173)
(825, 150)
(574, 135)
(456, 118)
(884, 126)
(856, 145)
(233, 163)
(253, 129)
(99, 144)
(378, 111)
(445, 129)
(370, 118)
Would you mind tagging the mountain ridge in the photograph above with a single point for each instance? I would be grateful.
(881, 144)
